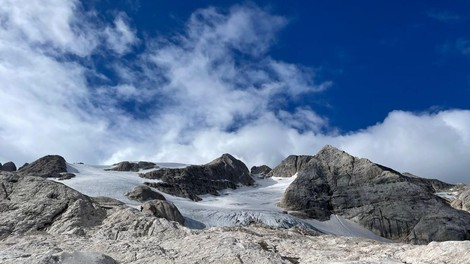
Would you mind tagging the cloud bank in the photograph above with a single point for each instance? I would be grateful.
(209, 89)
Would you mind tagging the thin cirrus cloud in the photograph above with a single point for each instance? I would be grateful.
(210, 89)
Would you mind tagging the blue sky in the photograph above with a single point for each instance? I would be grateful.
(104, 81)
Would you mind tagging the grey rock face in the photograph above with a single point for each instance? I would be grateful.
(260, 170)
(163, 209)
(49, 166)
(9, 166)
(431, 185)
(132, 166)
(30, 203)
(144, 193)
(462, 201)
(222, 173)
(290, 166)
(379, 198)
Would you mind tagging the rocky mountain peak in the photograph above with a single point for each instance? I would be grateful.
(47, 166)
(221, 173)
(381, 199)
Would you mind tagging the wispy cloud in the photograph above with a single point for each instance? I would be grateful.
(210, 88)
(444, 16)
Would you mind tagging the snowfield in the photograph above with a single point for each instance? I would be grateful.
(245, 205)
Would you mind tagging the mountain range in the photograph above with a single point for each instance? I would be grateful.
(328, 207)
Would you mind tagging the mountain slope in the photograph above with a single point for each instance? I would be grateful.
(382, 200)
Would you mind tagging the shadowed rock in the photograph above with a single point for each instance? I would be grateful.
(132, 166)
(262, 170)
(384, 201)
(144, 193)
(50, 166)
(163, 209)
(9, 166)
(222, 173)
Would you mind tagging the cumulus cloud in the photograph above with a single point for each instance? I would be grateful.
(209, 89)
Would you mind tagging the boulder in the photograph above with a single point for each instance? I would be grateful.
(381, 199)
(9, 166)
(50, 166)
(290, 166)
(222, 173)
(163, 209)
(0, 166)
(30, 203)
(262, 170)
(144, 193)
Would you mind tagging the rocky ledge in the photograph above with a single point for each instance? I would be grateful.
(222, 173)
(391, 204)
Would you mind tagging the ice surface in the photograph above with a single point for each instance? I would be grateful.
(245, 205)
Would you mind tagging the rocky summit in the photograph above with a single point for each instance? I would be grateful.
(50, 166)
(221, 173)
(9, 166)
(391, 204)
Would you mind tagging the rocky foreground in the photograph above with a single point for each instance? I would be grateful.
(44, 221)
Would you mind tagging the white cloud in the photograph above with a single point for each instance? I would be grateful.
(429, 144)
(120, 37)
(188, 98)
(55, 24)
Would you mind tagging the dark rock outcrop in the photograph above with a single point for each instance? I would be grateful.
(9, 166)
(290, 166)
(30, 204)
(222, 173)
(50, 166)
(262, 170)
(132, 166)
(386, 202)
(24, 165)
(144, 193)
(163, 209)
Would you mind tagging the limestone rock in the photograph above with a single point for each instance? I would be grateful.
(34, 204)
(431, 185)
(49, 166)
(380, 199)
(262, 170)
(462, 201)
(78, 257)
(132, 166)
(290, 166)
(222, 173)
(9, 166)
(144, 193)
(163, 209)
